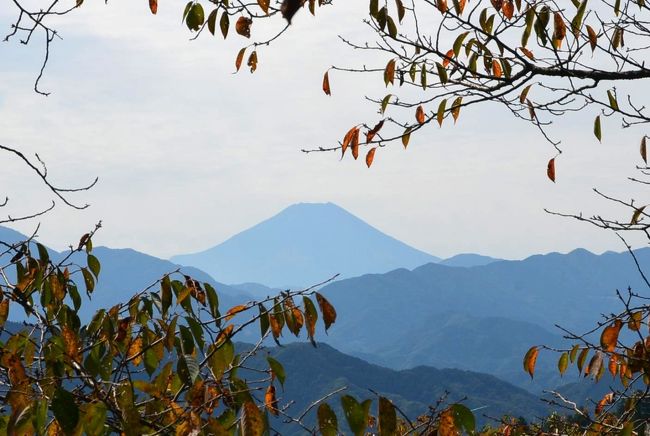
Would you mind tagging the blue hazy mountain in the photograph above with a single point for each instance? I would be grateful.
(468, 260)
(465, 317)
(124, 272)
(304, 244)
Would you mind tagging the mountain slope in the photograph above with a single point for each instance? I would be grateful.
(468, 260)
(314, 372)
(302, 245)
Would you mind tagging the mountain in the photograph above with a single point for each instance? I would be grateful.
(468, 260)
(467, 317)
(312, 373)
(302, 245)
(124, 272)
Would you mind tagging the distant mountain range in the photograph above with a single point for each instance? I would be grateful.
(302, 245)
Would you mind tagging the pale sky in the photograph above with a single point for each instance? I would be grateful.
(188, 153)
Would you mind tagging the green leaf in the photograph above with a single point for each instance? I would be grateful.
(627, 430)
(423, 76)
(563, 363)
(463, 418)
(212, 21)
(612, 100)
(597, 128)
(195, 17)
(166, 294)
(188, 369)
(387, 417)
(458, 43)
(392, 28)
(187, 340)
(252, 420)
(213, 300)
(94, 419)
(197, 331)
(440, 115)
(576, 23)
(384, 102)
(94, 265)
(65, 410)
(221, 359)
(224, 24)
(42, 253)
(442, 73)
(374, 8)
(574, 353)
(264, 319)
(327, 422)
(151, 361)
(89, 280)
(277, 368)
(356, 414)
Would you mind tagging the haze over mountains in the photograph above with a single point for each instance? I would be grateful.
(302, 245)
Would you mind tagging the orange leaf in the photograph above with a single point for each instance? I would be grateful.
(528, 53)
(71, 341)
(235, 310)
(347, 139)
(326, 84)
(243, 26)
(371, 133)
(224, 334)
(550, 170)
(508, 9)
(270, 401)
(328, 311)
(447, 59)
(609, 337)
(593, 37)
(153, 6)
(389, 72)
(370, 156)
(496, 68)
(613, 365)
(419, 114)
(559, 30)
(530, 359)
(606, 400)
(442, 5)
(135, 351)
(447, 425)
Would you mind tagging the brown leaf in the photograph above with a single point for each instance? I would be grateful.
(634, 323)
(370, 156)
(442, 5)
(270, 401)
(153, 6)
(235, 310)
(528, 53)
(613, 365)
(264, 5)
(605, 401)
(289, 9)
(496, 68)
(550, 170)
(524, 94)
(530, 359)
(347, 139)
(447, 425)
(122, 328)
(531, 110)
(4, 312)
(644, 151)
(593, 37)
(326, 84)
(252, 61)
(71, 341)
(371, 133)
(83, 241)
(389, 72)
(609, 337)
(355, 144)
(637, 215)
(328, 311)
(508, 9)
(240, 58)
(559, 30)
(225, 334)
(419, 114)
(243, 26)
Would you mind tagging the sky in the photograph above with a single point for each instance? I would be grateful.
(188, 153)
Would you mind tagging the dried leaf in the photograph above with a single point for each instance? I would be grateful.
(528, 53)
(235, 310)
(593, 37)
(328, 311)
(559, 30)
(240, 58)
(530, 359)
(326, 84)
(153, 6)
(389, 72)
(496, 68)
(508, 9)
(135, 350)
(419, 114)
(289, 9)
(243, 26)
(447, 59)
(369, 158)
(644, 151)
(524, 94)
(270, 401)
(609, 336)
(347, 139)
(550, 170)
(252, 61)
(371, 133)
(264, 5)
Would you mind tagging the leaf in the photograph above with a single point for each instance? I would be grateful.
(612, 100)
(88, 280)
(195, 17)
(188, 369)
(135, 351)
(550, 170)
(423, 76)
(252, 61)
(442, 73)
(419, 114)
(576, 23)
(356, 414)
(270, 401)
(277, 369)
(463, 418)
(563, 363)
(581, 359)
(458, 42)
(224, 25)
(637, 215)
(384, 103)
(65, 410)
(372, 132)
(4, 312)
(528, 53)
(634, 323)
(593, 37)
(326, 309)
(447, 58)
(243, 26)
(212, 21)
(387, 417)
(573, 353)
(240, 58)
(529, 361)
(289, 9)
(613, 365)
(524, 94)
(94, 265)
(508, 9)
(326, 84)
(609, 336)
(406, 137)
(389, 72)
(347, 139)
(235, 310)
(392, 28)
(644, 151)
(400, 10)
(327, 422)
(559, 30)
(252, 421)
(370, 156)
(496, 69)
(605, 401)
(264, 5)
(597, 128)
(440, 114)
(455, 108)
(153, 6)
(311, 316)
